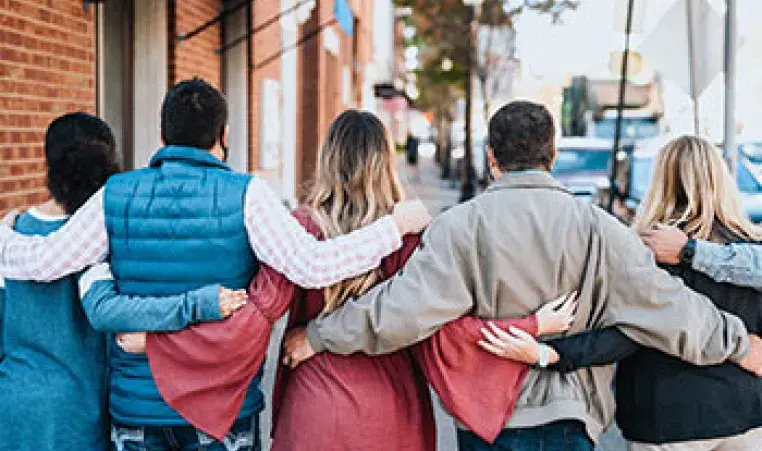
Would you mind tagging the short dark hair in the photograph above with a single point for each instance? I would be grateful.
(522, 136)
(194, 114)
(81, 155)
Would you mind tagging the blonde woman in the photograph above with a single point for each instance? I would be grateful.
(664, 403)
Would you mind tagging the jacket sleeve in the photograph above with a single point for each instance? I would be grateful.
(657, 310)
(433, 288)
(739, 264)
(109, 311)
(591, 348)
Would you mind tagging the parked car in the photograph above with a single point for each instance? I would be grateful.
(752, 151)
(583, 165)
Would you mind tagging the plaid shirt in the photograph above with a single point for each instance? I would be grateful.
(275, 236)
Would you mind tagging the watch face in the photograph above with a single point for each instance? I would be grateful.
(688, 252)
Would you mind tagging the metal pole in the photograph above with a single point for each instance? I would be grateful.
(614, 191)
(468, 188)
(692, 62)
(731, 35)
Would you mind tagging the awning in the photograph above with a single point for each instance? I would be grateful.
(344, 16)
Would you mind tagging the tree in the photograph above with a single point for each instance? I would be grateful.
(445, 34)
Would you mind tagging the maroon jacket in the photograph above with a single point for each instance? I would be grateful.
(204, 372)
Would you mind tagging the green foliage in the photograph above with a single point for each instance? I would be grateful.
(443, 27)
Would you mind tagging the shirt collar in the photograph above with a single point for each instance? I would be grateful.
(191, 155)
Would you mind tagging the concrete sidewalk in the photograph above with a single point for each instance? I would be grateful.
(424, 182)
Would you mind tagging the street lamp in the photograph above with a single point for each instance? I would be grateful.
(468, 188)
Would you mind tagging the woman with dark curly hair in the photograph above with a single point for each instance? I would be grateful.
(52, 363)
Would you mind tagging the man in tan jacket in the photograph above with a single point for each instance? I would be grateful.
(503, 254)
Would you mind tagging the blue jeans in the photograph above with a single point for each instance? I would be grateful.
(243, 436)
(559, 436)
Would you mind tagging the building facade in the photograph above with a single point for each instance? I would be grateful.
(288, 67)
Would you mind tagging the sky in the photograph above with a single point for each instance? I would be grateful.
(551, 53)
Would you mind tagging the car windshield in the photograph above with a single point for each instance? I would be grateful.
(753, 151)
(581, 160)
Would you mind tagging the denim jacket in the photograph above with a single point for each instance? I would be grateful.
(739, 264)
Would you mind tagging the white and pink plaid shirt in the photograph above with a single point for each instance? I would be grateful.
(275, 236)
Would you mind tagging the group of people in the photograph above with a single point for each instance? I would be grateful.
(137, 306)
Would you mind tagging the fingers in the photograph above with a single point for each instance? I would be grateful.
(521, 334)
(517, 345)
(571, 302)
(516, 338)
(501, 335)
(492, 338)
(559, 301)
(492, 349)
(231, 301)
(569, 307)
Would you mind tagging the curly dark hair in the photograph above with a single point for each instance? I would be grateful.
(522, 136)
(194, 114)
(81, 155)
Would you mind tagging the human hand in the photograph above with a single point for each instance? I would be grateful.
(411, 216)
(557, 316)
(516, 345)
(296, 347)
(753, 360)
(133, 343)
(666, 242)
(10, 218)
(231, 301)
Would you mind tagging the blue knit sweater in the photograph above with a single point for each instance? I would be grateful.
(53, 390)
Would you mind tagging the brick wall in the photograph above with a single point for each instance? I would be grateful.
(46, 69)
(198, 55)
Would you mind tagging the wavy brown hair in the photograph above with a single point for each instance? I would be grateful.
(355, 184)
(692, 187)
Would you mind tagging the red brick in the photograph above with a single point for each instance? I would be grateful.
(46, 68)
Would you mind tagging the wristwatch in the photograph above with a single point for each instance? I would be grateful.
(544, 358)
(687, 253)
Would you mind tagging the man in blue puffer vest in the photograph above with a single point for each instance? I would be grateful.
(185, 222)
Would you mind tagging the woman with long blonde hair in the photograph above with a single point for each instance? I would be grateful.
(663, 403)
(692, 188)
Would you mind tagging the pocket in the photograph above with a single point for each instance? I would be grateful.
(243, 436)
(128, 439)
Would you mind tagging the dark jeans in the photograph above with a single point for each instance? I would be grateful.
(243, 436)
(558, 436)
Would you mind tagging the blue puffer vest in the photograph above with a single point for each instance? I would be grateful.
(175, 226)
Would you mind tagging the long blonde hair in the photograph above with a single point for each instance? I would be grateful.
(692, 187)
(355, 184)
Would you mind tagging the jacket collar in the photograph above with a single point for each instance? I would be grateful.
(190, 155)
(527, 180)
